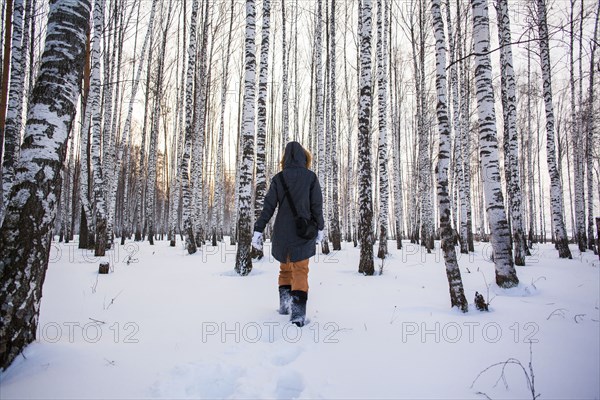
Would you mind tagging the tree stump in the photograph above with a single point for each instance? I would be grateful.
(480, 303)
(104, 268)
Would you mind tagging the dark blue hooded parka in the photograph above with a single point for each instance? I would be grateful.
(305, 190)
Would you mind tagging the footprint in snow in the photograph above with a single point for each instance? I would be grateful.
(290, 385)
(198, 380)
(287, 356)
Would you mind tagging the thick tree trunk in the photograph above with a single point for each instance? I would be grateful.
(365, 198)
(94, 105)
(261, 119)
(200, 112)
(457, 292)
(186, 192)
(506, 276)
(243, 263)
(511, 145)
(29, 218)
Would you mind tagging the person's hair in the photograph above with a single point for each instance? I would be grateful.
(306, 153)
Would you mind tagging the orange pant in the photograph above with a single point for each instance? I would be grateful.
(294, 274)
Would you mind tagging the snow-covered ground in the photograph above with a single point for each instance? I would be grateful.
(171, 325)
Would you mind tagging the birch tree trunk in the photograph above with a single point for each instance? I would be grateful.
(94, 99)
(184, 168)
(465, 135)
(243, 263)
(458, 170)
(382, 56)
(134, 88)
(284, 80)
(577, 143)
(32, 202)
(511, 145)
(459, 151)
(152, 156)
(14, 108)
(86, 229)
(200, 112)
(397, 156)
(365, 198)
(457, 292)
(556, 199)
(335, 234)
(591, 128)
(112, 161)
(7, 16)
(218, 218)
(506, 275)
(140, 227)
(319, 119)
(109, 146)
(349, 189)
(261, 120)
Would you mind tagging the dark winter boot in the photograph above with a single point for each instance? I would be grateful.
(298, 308)
(285, 299)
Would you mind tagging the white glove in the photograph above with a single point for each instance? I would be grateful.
(257, 240)
(320, 237)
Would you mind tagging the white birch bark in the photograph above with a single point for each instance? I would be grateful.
(94, 104)
(85, 162)
(577, 144)
(184, 168)
(459, 159)
(349, 189)
(109, 111)
(506, 275)
(335, 234)
(365, 196)
(382, 82)
(319, 116)
(511, 145)
(14, 108)
(284, 80)
(32, 202)
(556, 199)
(397, 158)
(261, 118)
(465, 136)
(243, 264)
(457, 292)
(590, 129)
(200, 105)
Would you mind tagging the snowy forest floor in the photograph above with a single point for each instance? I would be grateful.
(170, 325)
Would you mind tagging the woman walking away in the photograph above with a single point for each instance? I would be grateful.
(297, 192)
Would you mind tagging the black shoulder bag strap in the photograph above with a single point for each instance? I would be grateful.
(289, 197)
